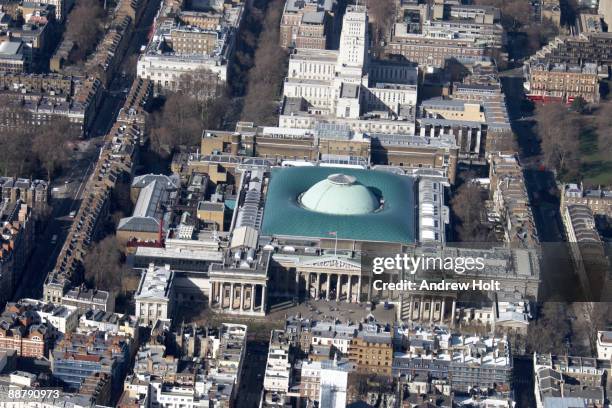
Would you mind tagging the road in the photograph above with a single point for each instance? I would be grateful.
(71, 181)
(541, 184)
(70, 184)
(253, 371)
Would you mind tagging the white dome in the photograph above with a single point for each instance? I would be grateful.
(341, 195)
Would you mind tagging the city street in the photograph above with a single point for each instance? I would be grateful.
(70, 183)
(540, 183)
(252, 375)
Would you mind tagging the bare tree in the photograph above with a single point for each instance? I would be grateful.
(514, 13)
(468, 207)
(559, 132)
(200, 102)
(549, 332)
(597, 316)
(603, 126)
(266, 76)
(382, 15)
(103, 265)
(51, 144)
(539, 35)
(16, 156)
(201, 85)
(84, 27)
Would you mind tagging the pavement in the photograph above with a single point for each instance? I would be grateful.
(332, 310)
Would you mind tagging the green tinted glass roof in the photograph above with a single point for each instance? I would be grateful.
(284, 214)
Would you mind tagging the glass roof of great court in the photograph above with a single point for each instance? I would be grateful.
(391, 221)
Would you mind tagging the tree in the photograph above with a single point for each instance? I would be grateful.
(199, 102)
(201, 85)
(468, 206)
(16, 152)
(579, 105)
(514, 13)
(16, 158)
(84, 27)
(381, 14)
(266, 76)
(103, 265)
(548, 334)
(51, 143)
(603, 128)
(559, 132)
(597, 316)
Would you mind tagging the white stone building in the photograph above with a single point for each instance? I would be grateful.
(62, 318)
(155, 295)
(278, 367)
(345, 86)
(334, 384)
(604, 345)
(164, 65)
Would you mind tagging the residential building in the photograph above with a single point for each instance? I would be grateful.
(117, 323)
(457, 363)
(587, 251)
(510, 199)
(84, 299)
(61, 318)
(78, 356)
(16, 240)
(308, 24)
(25, 332)
(333, 384)
(372, 353)
(598, 200)
(114, 164)
(563, 82)
(109, 52)
(48, 96)
(278, 377)
(204, 374)
(34, 193)
(573, 61)
(569, 381)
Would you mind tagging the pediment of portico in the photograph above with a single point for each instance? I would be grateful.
(329, 264)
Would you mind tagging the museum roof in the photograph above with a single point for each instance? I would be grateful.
(284, 215)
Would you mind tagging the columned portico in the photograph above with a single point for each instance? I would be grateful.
(238, 293)
(429, 308)
(252, 298)
(349, 289)
(326, 275)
